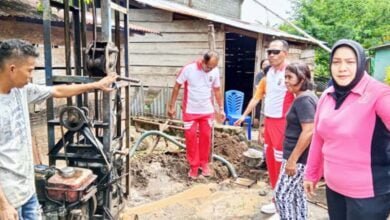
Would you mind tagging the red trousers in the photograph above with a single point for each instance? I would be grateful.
(198, 138)
(274, 129)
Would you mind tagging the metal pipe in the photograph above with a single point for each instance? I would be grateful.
(67, 43)
(107, 97)
(171, 139)
(128, 79)
(127, 97)
(323, 46)
(84, 45)
(118, 69)
(48, 72)
(77, 45)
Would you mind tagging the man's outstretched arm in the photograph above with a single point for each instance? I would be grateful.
(63, 91)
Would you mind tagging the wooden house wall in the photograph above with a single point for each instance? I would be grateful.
(157, 59)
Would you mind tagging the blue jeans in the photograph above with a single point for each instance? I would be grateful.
(30, 210)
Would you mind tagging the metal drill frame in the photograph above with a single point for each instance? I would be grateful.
(78, 74)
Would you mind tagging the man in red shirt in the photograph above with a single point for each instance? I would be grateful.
(201, 82)
(276, 104)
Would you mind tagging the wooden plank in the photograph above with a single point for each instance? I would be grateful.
(162, 60)
(157, 80)
(307, 53)
(176, 37)
(194, 26)
(150, 15)
(167, 48)
(173, 51)
(193, 194)
(153, 70)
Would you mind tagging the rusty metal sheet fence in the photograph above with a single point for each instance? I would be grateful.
(157, 108)
(137, 104)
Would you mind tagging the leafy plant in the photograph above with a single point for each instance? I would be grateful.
(40, 8)
(365, 21)
(40, 5)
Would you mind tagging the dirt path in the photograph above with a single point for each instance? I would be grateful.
(160, 188)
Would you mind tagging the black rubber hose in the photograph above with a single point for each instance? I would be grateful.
(172, 139)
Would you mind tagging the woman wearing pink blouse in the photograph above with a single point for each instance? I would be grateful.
(351, 139)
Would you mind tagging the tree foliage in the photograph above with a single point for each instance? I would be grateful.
(366, 21)
(40, 5)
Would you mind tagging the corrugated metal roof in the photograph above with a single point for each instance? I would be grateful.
(22, 9)
(27, 9)
(181, 9)
(380, 46)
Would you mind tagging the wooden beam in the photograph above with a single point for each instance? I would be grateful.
(193, 26)
(117, 7)
(163, 60)
(154, 70)
(171, 48)
(146, 121)
(240, 31)
(176, 37)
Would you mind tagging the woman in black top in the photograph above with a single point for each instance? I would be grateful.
(289, 193)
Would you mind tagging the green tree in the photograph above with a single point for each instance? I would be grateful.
(366, 21)
(40, 5)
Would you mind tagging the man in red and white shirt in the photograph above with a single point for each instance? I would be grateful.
(201, 82)
(276, 104)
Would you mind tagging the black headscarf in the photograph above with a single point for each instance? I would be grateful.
(342, 92)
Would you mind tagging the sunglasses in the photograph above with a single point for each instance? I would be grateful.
(274, 52)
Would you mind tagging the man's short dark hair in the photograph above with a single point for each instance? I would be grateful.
(284, 44)
(15, 48)
(209, 54)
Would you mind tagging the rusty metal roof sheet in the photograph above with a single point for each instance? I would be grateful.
(182, 9)
(133, 27)
(28, 9)
(143, 29)
(22, 9)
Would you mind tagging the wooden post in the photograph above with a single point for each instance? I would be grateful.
(259, 52)
(258, 58)
(212, 47)
(211, 37)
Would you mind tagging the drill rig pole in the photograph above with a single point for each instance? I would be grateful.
(107, 97)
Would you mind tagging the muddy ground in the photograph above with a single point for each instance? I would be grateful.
(160, 188)
(173, 161)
